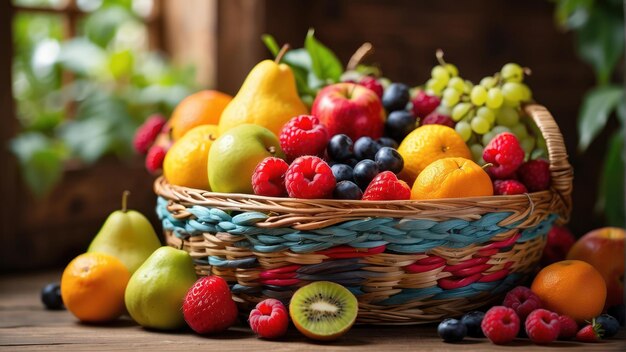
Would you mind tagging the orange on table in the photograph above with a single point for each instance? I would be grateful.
(452, 178)
(93, 285)
(202, 108)
(429, 143)
(571, 287)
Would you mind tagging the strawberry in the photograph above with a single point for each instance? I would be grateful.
(208, 306)
(386, 186)
(591, 332)
(269, 319)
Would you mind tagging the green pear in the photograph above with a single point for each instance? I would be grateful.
(126, 235)
(235, 154)
(155, 292)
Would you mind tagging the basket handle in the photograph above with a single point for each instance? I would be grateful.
(561, 171)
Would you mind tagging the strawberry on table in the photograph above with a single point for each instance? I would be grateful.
(591, 332)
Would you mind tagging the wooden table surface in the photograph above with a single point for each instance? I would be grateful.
(26, 325)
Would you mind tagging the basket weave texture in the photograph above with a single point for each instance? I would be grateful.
(406, 261)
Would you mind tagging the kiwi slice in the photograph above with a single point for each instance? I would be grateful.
(323, 310)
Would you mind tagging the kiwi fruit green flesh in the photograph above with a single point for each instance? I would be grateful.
(323, 310)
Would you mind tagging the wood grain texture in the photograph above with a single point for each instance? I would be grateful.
(25, 325)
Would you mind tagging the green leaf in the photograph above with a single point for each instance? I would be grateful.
(82, 56)
(121, 63)
(102, 25)
(271, 44)
(596, 108)
(572, 14)
(621, 112)
(601, 42)
(43, 171)
(611, 197)
(325, 64)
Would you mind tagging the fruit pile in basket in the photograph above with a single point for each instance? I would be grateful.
(353, 134)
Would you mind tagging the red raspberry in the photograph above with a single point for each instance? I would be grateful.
(303, 135)
(309, 177)
(535, 174)
(508, 187)
(542, 326)
(506, 155)
(568, 327)
(268, 178)
(590, 333)
(500, 325)
(523, 301)
(424, 104)
(435, 118)
(147, 133)
(558, 244)
(208, 306)
(373, 84)
(154, 159)
(386, 186)
(269, 319)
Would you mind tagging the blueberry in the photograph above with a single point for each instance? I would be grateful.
(340, 147)
(610, 325)
(395, 97)
(399, 124)
(347, 190)
(342, 172)
(388, 159)
(451, 330)
(618, 312)
(351, 162)
(364, 172)
(51, 296)
(387, 142)
(365, 148)
(472, 321)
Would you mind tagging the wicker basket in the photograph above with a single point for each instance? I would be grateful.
(406, 261)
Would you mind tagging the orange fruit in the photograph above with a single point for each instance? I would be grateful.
(185, 163)
(452, 178)
(429, 143)
(202, 108)
(92, 287)
(571, 287)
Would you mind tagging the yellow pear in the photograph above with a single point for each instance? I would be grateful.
(268, 97)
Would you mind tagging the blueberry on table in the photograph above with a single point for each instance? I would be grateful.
(395, 97)
(452, 330)
(610, 325)
(472, 321)
(388, 159)
(51, 296)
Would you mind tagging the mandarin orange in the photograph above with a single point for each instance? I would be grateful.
(452, 178)
(202, 108)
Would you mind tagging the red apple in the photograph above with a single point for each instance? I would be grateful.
(350, 109)
(604, 249)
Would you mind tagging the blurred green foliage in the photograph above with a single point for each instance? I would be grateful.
(81, 98)
(599, 31)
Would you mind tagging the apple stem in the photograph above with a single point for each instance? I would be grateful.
(125, 195)
(272, 150)
(211, 137)
(281, 53)
(358, 56)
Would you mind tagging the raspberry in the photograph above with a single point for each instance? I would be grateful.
(373, 84)
(559, 242)
(269, 319)
(154, 159)
(303, 135)
(435, 118)
(208, 306)
(567, 327)
(386, 186)
(424, 104)
(508, 187)
(506, 155)
(147, 133)
(500, 325)
(523, 301)
(542, 326)
(268, 178)
(535, 174)
(309, 177)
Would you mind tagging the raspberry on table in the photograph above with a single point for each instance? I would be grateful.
(154, 158)
(373, 84)
(208, 306)
(523, 301)
(500, 325)
(268, 178)
(303, 135)
(386, 186)
(147, 133)
(269, 319)
(309, 177)
(435, 118)
(508, 187)
(424, 104)
(535, 174)
(505, 154)
(567, 327)
(542, 326)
